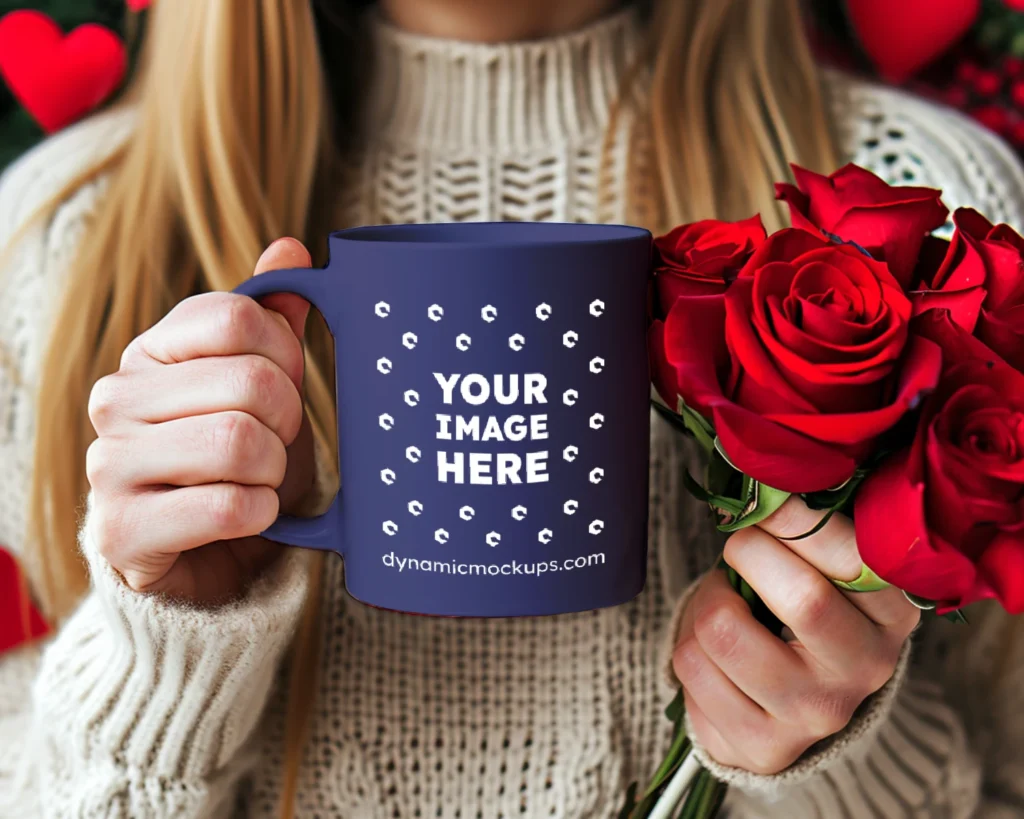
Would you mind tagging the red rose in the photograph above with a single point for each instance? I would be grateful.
(1001, 248)
(889, 222)
(951, 274)
(703, 258)
(1002, 329)
(944, 518)
(801, 365)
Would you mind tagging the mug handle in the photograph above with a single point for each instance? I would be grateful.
(322, 531)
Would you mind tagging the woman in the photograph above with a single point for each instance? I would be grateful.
(200, 671)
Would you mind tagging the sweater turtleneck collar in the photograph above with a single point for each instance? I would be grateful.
(507, 97)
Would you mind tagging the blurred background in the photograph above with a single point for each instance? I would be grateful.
(968, 54)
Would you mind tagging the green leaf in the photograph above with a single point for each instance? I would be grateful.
(815, 529)
(723, 479)
(674, 419)
(762, 501)
(705, 798)
(839, 496)
(698, 426)
(627, 809)
(687, 420)
(642, 808)
(674, 710)
(922, 603)
(866, 581)
(676, 754)
(720, 449)
(693, 798)
(957, 617)
(747, 593)
(714, 796)
(731, 506)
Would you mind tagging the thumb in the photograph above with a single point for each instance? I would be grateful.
(286, 253)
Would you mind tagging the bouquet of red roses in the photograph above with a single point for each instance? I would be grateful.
(869, 366)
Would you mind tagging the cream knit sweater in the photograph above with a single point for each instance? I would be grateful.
(141, 707)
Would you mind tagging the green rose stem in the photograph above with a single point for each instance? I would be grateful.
(686, 777)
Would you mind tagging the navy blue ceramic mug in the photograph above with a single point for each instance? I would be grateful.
(493, 415)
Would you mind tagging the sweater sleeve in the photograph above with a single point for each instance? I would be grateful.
(953, 745)
(139, 706)
(144, 707)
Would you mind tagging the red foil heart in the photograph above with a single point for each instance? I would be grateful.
(900, 38)
(59, 78)
(20, 621)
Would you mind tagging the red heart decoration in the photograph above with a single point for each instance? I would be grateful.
(139, 5)
(58, 78)
(19, 619)
(902, 36)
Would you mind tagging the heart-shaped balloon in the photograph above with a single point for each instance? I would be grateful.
(902, 36)
(19, 619)
(58, 78)
(139, 5)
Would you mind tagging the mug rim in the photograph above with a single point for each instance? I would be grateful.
(426, 235)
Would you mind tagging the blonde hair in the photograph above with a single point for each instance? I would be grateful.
(237, 144)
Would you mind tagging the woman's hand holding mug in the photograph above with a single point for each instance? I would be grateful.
(493, 422)
(202, 439)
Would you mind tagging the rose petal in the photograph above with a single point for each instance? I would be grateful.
(855, 204)
(1003, 331)
(702, 258)
(860, 186)
(948, 496)
(799, 206)
(822, 338)
(672, 285)
(867, 284)
(830, 330)
(837, 271)
(818, 361)
(893, 536)
(971, 223)
(823, 206)
(777, 456)
(957, 345)
(979, 431)
(960, 267)
(694, 345)
(788, 243)
(748, 355)
(893, 233)
(964, 306)
(756, 396)
(922, 363)
(663, 374)
(1004, 269)
(1001, 572)
(833, 386)
(1002, 250)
